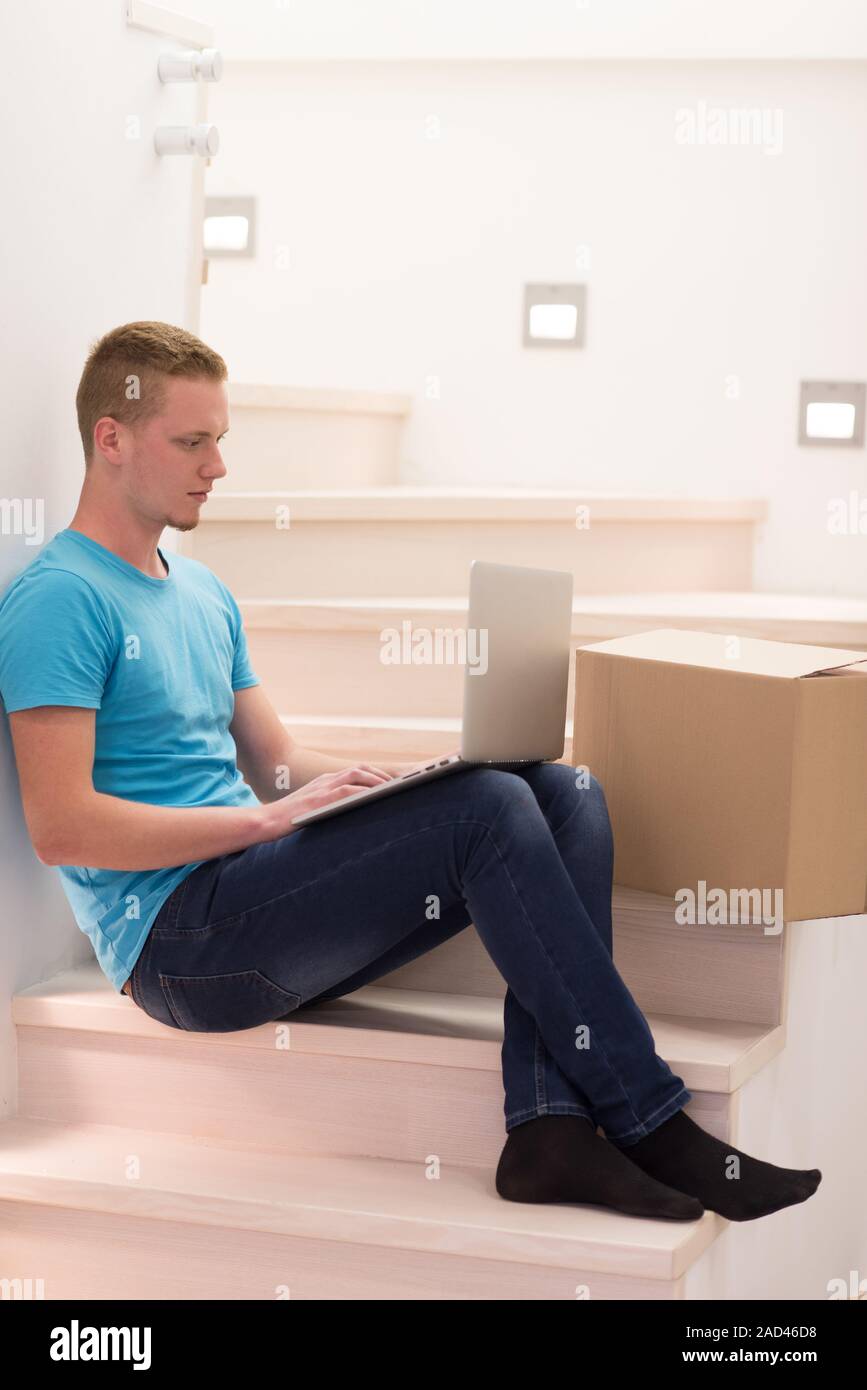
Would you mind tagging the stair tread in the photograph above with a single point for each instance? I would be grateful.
(808, 618)
(398, 1025)
(359, 1200)
(747, 603)
(440, 723)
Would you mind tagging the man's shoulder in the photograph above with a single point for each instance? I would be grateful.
(53, 573)
(197, 574)
(56, 639)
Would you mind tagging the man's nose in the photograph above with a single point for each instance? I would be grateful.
(216, 468)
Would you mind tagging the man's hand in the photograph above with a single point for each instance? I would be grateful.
(279, 816)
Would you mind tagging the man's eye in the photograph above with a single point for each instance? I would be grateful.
(191, 443)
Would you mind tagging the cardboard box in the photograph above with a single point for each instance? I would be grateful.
(731, 761)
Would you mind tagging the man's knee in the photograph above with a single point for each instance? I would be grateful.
(494, 787)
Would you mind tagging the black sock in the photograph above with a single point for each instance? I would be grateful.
(679, 1152)
(561, 1158)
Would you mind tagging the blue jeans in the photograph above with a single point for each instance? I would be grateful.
(526, 856)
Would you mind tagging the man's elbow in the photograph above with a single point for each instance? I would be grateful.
(56, 830)
(47, 847)
(46, 843)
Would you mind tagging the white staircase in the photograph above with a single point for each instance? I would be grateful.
(349, 1150)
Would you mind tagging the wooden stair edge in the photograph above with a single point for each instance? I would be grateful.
(802, 618)
(353, 1200)
(407, 502)
(400, 1025)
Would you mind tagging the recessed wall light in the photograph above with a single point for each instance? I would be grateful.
(230, 226)
(831, 412)
(554, 315)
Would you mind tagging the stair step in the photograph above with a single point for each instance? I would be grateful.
(383, 1071)
(306, 650)
(398, 1025)
(812, 619)
(388, 539)
(368, 737)
(409, 502)
(397, 738)
(730, 972)
(298, 437)
(353, 1205)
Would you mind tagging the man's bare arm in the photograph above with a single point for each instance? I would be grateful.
(270, 758)
(70, 822)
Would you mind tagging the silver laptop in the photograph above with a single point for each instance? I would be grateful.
(516, 676)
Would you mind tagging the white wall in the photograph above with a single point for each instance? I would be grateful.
(95, 232)
(719, 276)
(406, 29)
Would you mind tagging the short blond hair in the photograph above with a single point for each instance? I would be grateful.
(148, 351)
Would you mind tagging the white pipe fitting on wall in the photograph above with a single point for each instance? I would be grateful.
(187, 139)
(191, 65)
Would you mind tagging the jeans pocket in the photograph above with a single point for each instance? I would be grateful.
(225, 1003)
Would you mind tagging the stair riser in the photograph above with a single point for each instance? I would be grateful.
(366, 744)
(298, 449)
(77, 1255)
(301, 1102)
(689, 971)
(322, 559)
(320, 672)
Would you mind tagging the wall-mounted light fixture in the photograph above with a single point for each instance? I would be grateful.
(230, 226)
(555, 315)
(831, 412)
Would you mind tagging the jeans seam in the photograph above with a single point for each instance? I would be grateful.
(175, 933)
(558, 1108)
(677, 1102)
(539, 1068)
(175, 905)
(167, 995)
(172, 908)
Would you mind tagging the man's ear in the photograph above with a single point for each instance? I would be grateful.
(109, 438)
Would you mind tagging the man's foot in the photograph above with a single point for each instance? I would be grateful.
(561, 1158)
(726, 1180)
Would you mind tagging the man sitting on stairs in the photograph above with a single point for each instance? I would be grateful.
(132, 703)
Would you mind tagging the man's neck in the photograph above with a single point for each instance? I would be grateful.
(126, 538)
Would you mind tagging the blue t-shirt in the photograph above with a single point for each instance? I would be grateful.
(158, 659)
